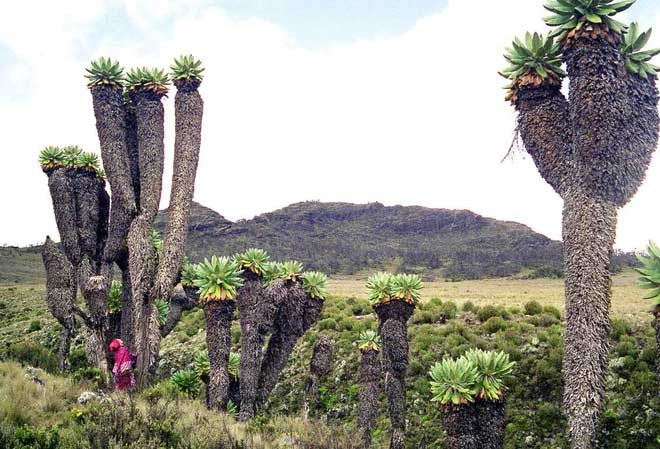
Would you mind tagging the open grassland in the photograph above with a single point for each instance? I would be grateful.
(626, 296)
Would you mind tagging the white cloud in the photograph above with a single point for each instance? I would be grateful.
(418, 118)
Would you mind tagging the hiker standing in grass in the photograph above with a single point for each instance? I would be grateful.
(123, 368)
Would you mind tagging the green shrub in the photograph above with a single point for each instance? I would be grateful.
(35, 325)
(533, 308)
(78, 359)
(89, 373)
(33, 354)
(448, 310)
(468, 306)
(620, 327)
(552, 310)
(490, 311)
(328, 324)
(494, 324)
(26, 437)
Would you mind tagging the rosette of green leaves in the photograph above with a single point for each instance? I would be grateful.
(105, 72)
(454, 381)
(162, 310)
(71, 155)
(234, 364)
(187, 67)
(538, 55)
(407, 287)
(380, 287)
(156, 240)
(114, 297)
(232, 410)
(253, 259)
(369, 340)
(314, 284)
(154, 80)
(291, 270)
(493, 368)
(89, 162)
(218, 279)
(569, 15)
(650, 274)
(202, 364)
(271, 272)
(188, 273)
(51, 157)
(186, 382)
(635, 58)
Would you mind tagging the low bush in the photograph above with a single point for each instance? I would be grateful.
(494, 324)
(533, 308)
(490, 311)
(33, 354)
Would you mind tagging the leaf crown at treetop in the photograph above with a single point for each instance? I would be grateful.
(51, 158)
(476, 374)
(534, 62)
(105, 72)
(188, 273)
(71, 156)
(291, 270)
(636, 59)
(650, 273)
(314, 284)
(154, 80)
(253, 259)
(271, 272)
(385, 287)
(369, 340)
(218, 279)
(590, 18)
(186, 67)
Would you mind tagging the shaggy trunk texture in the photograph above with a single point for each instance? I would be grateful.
(256, 313)
(95, 292)
(296, 313)
(178, 303)
(60, 294)
(64, 206)
(589, 228)
(110, 115)
(91, 213)
(188, 110)
(370, 388)
(643, 123)
(598, 112)
(461, 422)
(656, 326)
(150, 115)
(142, 263)
(219, 315)
(542, 123)
(127, 309)
(393, 328)
(319, 367)
(491, 420)
(132, 149)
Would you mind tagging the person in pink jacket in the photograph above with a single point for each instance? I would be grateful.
(122, 370)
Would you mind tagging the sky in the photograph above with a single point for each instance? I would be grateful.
(330, 100)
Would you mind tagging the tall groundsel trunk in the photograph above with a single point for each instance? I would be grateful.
(188, 110)
(256, 313)
(219, 315)
(370, 388)
(91, 213)
(393, 329)
(64, 206)
(589, 228)
(60, 294)
(462, 426)
(492, 423)
(110, 115)
(319, 366)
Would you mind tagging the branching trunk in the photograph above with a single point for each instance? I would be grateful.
(370, 388)
(219, 315)
(589, 228)
(188, 110)
(393, 318)
(64, 206)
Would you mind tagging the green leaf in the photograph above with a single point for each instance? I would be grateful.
(593, 18)
(622, 6)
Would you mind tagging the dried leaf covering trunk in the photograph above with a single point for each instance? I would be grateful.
(296, 313)
(132, 148)
(656, 326)
(491, 419)
(219, 315)
(92, 211)
(109, 110)
(95, 291)
(370, 388)
(188, 110)
(589, 228)
(256, 313)
(60, 294)
(461, 423)
(393, 329)
(64, 206)
(319, 366)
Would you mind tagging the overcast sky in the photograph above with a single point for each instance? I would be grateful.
(342, 100)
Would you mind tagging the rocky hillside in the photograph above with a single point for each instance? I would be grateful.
(345, 238)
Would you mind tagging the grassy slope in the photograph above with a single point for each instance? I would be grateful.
(632, 419)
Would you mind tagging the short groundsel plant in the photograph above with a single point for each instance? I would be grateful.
(493, 368)
(114, 297)
(532, 63)
(202, 364)
(254, 260)
(234, 364)
(51, 158)
(218, 279)
(232, 410)
(162, 310)
(153, 80)
(589, 18)
(186, 382)
(186, 67)
(188, 273)
(650, 274)
(314, 284)
(156, 240)
(636, 59)
(105, 72)
(454, 382)
(291, 270)
(369, 340)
